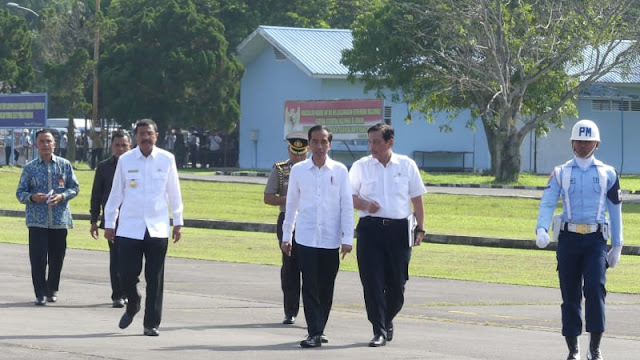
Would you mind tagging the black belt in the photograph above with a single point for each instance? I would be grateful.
(384, 221)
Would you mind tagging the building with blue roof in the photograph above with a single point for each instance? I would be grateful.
(284, 64)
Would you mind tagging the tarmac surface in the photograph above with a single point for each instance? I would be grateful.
(216, 310)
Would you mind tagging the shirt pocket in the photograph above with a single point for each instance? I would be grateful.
(159, 178)
(596, 186)
(368, 188)
(401, 184)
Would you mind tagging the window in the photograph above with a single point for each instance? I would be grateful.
(615, 105)
(279, 54)
(386, 115)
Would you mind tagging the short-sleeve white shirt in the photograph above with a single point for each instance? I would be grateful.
(392, 187)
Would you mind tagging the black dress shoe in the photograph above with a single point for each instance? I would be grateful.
(41, 301)
(311, 341)
(324, 339)
(126, 320)
(118, 303)
(389, 331)
(53, 297)
(151, 332)
(377, 341)
(288, 320)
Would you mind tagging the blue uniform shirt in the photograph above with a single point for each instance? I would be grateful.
(39, 176)
(584, 196)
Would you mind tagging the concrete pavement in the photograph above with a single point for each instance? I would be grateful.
(215, 310)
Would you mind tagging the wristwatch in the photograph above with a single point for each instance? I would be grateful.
(420, 230)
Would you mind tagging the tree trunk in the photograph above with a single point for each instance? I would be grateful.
(508, 169)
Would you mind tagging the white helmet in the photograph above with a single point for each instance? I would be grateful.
(585, 130)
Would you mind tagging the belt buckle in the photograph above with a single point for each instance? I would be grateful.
(386, 222)
(582, 229)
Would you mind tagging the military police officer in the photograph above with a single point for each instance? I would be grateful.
(275, 193)
(588, 187)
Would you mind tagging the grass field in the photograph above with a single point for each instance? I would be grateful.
(500, 217)
(494, 265)
(446, 214)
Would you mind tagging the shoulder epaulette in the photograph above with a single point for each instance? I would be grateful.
(283, 170)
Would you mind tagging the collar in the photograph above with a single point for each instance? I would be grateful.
(328, 163)
(392, 160)
(139, 153)
(54, 159)
(585, 163)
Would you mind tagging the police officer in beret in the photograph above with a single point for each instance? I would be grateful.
(275, 193)
(588, 187)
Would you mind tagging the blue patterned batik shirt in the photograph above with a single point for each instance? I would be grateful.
(39, 176)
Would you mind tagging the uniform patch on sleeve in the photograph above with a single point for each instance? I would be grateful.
(615, 194)
(551, 177)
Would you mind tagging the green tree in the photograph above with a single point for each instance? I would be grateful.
(169, 61)
(241, 17)
(66, 87)
(518, 66)
(16, 73)
(65, 26)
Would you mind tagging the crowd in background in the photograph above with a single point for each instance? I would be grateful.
(192, 148)
(200, 149)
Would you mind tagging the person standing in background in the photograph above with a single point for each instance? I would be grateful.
(170, 141)
(180, 148)
(97, 143)
(25, 144)
(63, 144)
(9, 147)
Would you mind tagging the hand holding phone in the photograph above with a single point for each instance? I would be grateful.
(49, 196)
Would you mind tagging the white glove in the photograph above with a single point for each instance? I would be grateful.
(613, 256)
(542, 239)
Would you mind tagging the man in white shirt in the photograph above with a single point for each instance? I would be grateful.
(385, 185)
(25, 144)
(63, 144)
(320, 205)
(214, 141)
(145, 178)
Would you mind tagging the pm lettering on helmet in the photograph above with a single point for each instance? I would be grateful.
(586, 131)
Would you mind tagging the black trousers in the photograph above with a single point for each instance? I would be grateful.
(114, 270)
(289, 274)
(383, 260)
(7, 155)
(46, 246)
(319, 269)
(154, 251)
(96, 157)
